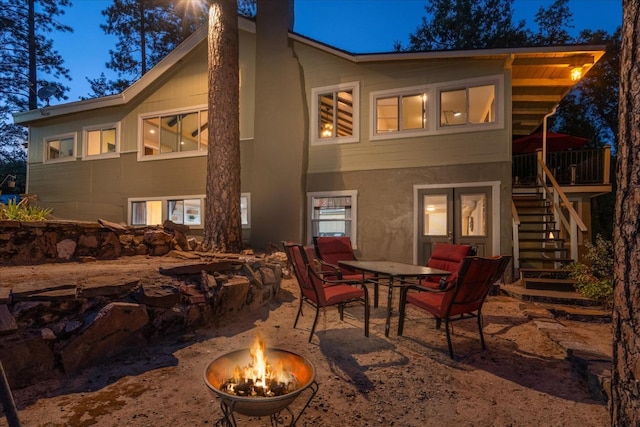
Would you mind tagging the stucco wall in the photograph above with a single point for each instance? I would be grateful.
(386, 203)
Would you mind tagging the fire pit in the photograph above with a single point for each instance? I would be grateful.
(260, 382)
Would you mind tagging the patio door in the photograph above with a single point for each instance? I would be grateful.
(454, 215)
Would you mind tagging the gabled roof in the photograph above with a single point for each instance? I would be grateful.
(541, 76)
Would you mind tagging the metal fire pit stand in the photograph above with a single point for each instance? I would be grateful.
(277, 419)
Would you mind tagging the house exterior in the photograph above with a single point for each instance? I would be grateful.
(396, 150)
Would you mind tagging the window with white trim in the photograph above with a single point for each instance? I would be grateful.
(468, 105)
(102, 141)
(333, 213)
(174, 134)
(60, 148)
(335, 114)
(400, 112)
(245, 210)
(187, 210)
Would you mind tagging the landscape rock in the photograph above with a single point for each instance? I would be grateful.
(116, 328)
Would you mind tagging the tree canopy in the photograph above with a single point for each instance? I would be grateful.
(148, 30)
(15, 84)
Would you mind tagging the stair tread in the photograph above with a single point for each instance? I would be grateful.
(541, 270)
(536, 249)
(548, 280)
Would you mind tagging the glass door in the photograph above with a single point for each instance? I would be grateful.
(454, 215)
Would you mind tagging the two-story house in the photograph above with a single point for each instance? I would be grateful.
(397, 150)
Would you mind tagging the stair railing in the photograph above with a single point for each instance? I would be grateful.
(574, 223)
(515, 218)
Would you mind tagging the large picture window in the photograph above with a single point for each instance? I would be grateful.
(101, 141)
(335, 114)
(174, 134)
(333, 214)
(60, 148)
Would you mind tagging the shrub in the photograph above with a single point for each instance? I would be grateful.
(595, 280)
(22, 211)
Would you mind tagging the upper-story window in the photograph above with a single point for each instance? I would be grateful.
(174, 134)
(101, 141)
(398, 113)
(448, 107)
(468, 105)
(335, 114)
(60, 148)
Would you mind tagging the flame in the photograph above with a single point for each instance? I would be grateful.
(260, 375)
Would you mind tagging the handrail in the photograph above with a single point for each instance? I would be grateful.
(514, 213)
(516, 237)
(575, 221)
(572, 212)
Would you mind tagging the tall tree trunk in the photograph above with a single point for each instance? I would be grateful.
(222, 226)
(625, 381)
(33, 82)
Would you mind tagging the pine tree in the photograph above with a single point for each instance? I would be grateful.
(625, 378)
(147, 30)
(15, 85)
(222, 227)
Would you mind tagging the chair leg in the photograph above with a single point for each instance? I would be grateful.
(341, 311)
(484, 347)
(299, 313)
(446, 326)
(375, 293)
(438, 322)
(366, 311)
(401, 310)
(315, 321)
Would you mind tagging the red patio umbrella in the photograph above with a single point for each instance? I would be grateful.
(555, 142)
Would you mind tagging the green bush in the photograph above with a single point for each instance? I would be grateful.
(23, 212)
(595, 280)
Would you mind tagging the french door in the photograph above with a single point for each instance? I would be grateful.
(459, 215)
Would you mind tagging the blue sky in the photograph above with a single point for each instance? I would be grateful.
(359, 26)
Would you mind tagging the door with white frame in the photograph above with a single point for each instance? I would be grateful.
(461, 215)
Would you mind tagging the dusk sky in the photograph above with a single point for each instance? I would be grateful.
(358, 26)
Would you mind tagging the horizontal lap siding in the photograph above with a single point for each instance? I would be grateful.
(322, 69)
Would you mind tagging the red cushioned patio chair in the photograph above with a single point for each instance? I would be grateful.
(319, 292)
(330, 250)
(449, 257)
(461, 299)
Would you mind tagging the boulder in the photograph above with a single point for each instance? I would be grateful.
(116, 329)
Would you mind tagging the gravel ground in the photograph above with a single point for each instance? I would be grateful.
(522, 379)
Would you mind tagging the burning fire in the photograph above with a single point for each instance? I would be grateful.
(259, 378)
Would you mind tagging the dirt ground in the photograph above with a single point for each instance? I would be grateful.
(521, 379)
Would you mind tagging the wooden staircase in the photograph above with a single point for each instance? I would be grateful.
(542, 252)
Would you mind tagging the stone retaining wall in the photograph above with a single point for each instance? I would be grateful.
(37, 242)
(61, 328)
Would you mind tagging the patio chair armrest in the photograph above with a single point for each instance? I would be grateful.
(337, 270)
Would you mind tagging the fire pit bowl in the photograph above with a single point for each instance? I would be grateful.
(221, 369)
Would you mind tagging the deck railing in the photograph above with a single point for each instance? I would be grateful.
(575, 167)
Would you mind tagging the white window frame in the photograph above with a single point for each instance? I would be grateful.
(85, 141)
(433, 108)
(173, 155)
(354, 211)
(47, 140)
(496, 80)
(315, 114)
(246, 196)
(165, 209)
(390, 93)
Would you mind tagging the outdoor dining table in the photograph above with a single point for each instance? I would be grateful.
(392, 270)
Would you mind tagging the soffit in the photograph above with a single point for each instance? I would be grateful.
(540, 81)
